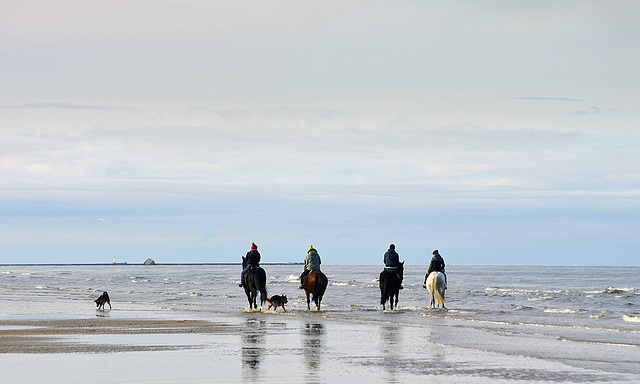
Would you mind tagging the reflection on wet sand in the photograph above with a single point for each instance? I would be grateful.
(253, 346)
(312, 340)
(390, 346)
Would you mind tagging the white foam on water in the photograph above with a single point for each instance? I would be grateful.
(562, 310)
(631, 319)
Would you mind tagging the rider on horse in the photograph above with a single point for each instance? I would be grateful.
(391, 259)
(253, 260)
(311, 263)
(436, 264)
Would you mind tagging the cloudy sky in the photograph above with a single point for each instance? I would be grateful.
(499, 132)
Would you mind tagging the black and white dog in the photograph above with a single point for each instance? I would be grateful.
(102, 300)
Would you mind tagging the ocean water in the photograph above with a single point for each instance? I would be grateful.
(572, 297)
(587, 318)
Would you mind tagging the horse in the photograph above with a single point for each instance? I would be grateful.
(255, 280)
(390, 281)
(436, 285)
(315, 283)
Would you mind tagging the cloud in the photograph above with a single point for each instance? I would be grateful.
(65, 106)
(542, 98)
(289, 121)
(288, 149)
(594, 110)
(168, 51)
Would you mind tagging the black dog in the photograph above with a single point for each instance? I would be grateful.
(102, 300)
(277, 301)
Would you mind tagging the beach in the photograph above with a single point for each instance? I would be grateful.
(191, 325)
(309, 348)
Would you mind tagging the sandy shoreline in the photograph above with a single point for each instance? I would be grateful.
(286, 348)
(56, 335)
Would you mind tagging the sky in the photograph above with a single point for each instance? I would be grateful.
(498, 132)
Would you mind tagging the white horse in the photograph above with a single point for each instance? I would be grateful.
(436, 285)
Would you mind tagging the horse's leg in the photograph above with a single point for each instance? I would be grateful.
(308, 301)
(246, 292)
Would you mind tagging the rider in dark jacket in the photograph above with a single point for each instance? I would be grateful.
(392, 259)
(253, 260)
(436, 264)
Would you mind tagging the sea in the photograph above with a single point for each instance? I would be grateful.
(584, 317)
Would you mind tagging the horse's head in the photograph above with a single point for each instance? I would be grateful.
(244, 262)
(400, 271)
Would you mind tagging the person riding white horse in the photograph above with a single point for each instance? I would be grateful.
(436, 264)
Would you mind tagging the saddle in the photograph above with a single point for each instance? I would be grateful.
(392, 269)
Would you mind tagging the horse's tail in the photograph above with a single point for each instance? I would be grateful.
(263, 295)
(440, 289)
(440, 295)
(384, 288)
(321, 285)
(262, 286)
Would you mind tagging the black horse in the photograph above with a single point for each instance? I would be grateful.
(255, 280)
(390, 281)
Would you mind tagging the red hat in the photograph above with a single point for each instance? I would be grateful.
(254, 246)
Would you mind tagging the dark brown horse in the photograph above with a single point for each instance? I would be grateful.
(255, 280)
(315, 283)
(390, 281)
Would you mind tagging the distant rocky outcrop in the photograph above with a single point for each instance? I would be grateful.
(149, 262)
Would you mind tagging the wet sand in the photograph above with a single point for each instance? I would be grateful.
(58, 335)
(287, 348)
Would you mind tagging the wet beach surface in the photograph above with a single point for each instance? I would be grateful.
(296, 347)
